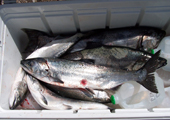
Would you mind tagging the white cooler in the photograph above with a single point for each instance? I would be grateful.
(70, 17)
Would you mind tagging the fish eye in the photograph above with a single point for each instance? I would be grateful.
(41, 90)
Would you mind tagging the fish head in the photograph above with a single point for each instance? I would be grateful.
(18, 94)
(152, 38)
(14, 100)
(36, 66)
(36, 90)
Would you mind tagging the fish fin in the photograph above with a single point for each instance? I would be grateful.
(67, 107)
(55, 79)
(149, 83)
(152, 63)
(90, 90)
(58, 80)
(150, 66)
(86, 92)
(162, 62)
(90, 61)
(110, 92)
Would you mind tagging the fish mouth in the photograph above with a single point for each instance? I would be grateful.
(13, 106)
(13, 103)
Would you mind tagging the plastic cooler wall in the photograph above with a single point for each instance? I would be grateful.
(66, 17)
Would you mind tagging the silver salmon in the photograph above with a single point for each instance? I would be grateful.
(143, 38)
(80, 93)
(117, 57)
(52, 101)
(76, 74)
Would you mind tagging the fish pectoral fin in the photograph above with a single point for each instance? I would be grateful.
(58, 80)
(90, 90)
(110, 92)
(86, 92)
(116, 88)
(55, 79)
(67, 107)
(89, 61)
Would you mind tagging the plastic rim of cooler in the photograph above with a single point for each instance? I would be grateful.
(72, 16)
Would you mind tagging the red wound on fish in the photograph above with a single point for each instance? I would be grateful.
(27, 101)
(83, 82)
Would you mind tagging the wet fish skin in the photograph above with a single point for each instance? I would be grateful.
(61, 45)
(76, 74)
(43, 40)
(117, 57)
(52, 101)
(79, 93)
(143, 38)
(150, 37)
(55, 48)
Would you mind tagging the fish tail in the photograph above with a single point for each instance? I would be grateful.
(150, 67)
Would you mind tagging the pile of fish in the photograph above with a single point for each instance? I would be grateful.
(81, 71)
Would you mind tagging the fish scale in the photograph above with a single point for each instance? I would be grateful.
(51, 100)
(132, 37)
(142, 38)
(74, 73)
(117, 57)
